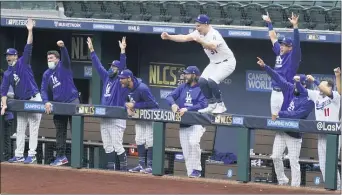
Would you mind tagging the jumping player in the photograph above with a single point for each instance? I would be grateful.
(140, 97)
(19, 75)
(189, 98)
(58, 80)
(222, 61)
(338, 79)
(112, 130)
(288, 54)
(327, 108)
(296, 106)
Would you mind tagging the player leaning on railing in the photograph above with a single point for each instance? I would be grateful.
(20, 76)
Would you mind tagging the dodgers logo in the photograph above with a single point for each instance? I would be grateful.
(229, 173)
(317, 180)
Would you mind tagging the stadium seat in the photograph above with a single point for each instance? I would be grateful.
(317, 18)
(277, 14)
(305, 4)
(172, 11)
(263, 3)
(73, 9)
(284, 3)
(112, 10)
(152, 11)
(192, 10)
(326, 4)
(214, 10)
(338, 4)
(10, 5)
(89, 9)
(29, 5)
(334, 17)
(233, 12)
(298, 10)
(252, 16)
(133, 10)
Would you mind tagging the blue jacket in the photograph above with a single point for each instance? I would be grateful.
(59, 81)
(20, 77)
(112, 92)
(294, 107)
(187, 96)
(141, 96)
(287, 64)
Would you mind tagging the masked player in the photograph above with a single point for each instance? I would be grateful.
(58, 81)
(113, 94)
(288, 54)
(189, 98)
(327, 108)
(19, 75)
(222, 61)
(140, 97)
(296, 106)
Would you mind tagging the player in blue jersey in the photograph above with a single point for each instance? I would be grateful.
(20, 76)
(59, 82)
(189, 97)
(297, 105)
(112, 130)
(140, 97)
(288, 54)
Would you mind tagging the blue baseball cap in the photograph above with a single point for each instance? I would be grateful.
(11, 51)
(192, 70)
(203, 19)
(116, 63)
(125, 74)
(286, 41)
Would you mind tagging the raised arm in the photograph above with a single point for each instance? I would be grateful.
(323, 88)
(96, 61)
(301, 89)
(338, 79)
(178, 38)
(296, 50)
(65, 58)
(271, 33)
(202, 103)
(303, 111)
(123, 57)
(28, 47)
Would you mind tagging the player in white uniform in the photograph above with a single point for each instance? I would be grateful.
(327, 107)
(222, 61)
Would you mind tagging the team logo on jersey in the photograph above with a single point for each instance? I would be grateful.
(55, 82)
(291, 106)
(320, 106)
(188, 99)
(279, 62)
(130, 99)
(108, 87)
(16, 79)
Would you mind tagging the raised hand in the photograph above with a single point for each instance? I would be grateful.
(261, 62)
(122, 43)
(29, 24)
(337, 71)
(60, 43)
(164, 36)
(90, 44)
(310, 78)
(266, 17)
(294, 19)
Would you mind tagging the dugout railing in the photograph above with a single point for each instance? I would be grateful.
(243, 124)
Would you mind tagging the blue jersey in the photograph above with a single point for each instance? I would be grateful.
(294, 107)
(20, 77)
(112, 92)
(287, 64)
(187, 96)
(59, 81)
(141, 96)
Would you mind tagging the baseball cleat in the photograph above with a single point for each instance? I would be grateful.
(208, 109)
(60, 161)
(16, 159)
(136, 169)
(30, 160)
(195, 174)
(220, 108)
(147, 170)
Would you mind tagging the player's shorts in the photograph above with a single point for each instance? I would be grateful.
(219, 71)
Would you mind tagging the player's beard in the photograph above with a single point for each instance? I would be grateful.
(190, 80)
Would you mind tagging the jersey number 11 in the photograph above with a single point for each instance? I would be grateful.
(326, 112)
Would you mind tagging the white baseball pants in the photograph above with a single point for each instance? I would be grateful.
(218, 72)
(112, 131)
(33, 119)
(277, 99)
(190, 138)
(322, 152)
(281, 141)
(144, 133)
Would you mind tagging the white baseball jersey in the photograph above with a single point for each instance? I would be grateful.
(222, 51)
(326, 109)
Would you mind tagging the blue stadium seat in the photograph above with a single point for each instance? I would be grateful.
(173, 11)
(133, 10)
(326, 4)
(252, 14)
(110, 9)
(284, 3)
(317, 18)
(10, 5)
(192, 9)
(277, 14)
(334, 17)
(214, 11)
(152, 11)
(73, 9)
(298, 10)
(233, 12)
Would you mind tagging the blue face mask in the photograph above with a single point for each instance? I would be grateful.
(111, 73)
